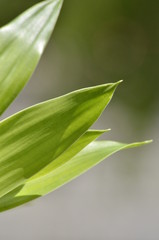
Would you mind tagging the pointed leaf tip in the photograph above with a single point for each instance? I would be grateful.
(100, 131)
(148, 141)
(120, 81)
(112, 86)
(138, 144)
(117, 83)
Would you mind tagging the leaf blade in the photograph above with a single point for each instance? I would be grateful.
(10, 181)
(90, 156)
(34, 137)
(87, 158)
(74, 149)
(22, 43)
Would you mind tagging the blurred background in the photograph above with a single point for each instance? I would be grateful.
(97, 42)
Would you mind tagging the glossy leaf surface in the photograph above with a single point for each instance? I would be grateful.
(22, 42)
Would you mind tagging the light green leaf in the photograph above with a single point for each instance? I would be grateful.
(90, 156)
(10, 180)
(47, 145)
(22, 42)
(75, 148)
(34, 137)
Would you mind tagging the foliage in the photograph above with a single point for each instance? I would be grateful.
(48, 144)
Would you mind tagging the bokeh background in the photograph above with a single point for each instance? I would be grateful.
(97, 42)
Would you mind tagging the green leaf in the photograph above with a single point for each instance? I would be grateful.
(82, 142)
(10, 180)
(90, 156)
(47, 145)
(63, 173)
(22, 42)
(75, 148)
(34, 137)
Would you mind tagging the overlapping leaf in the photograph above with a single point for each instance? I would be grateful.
(58, 174)
(34, 137)
(22, 42)
(47, 145)
(46, 142)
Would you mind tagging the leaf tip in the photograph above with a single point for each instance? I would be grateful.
(148, 141)
(100, 131)
(117, 83)
(113, 86)
(105, 130)
(139, 144)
